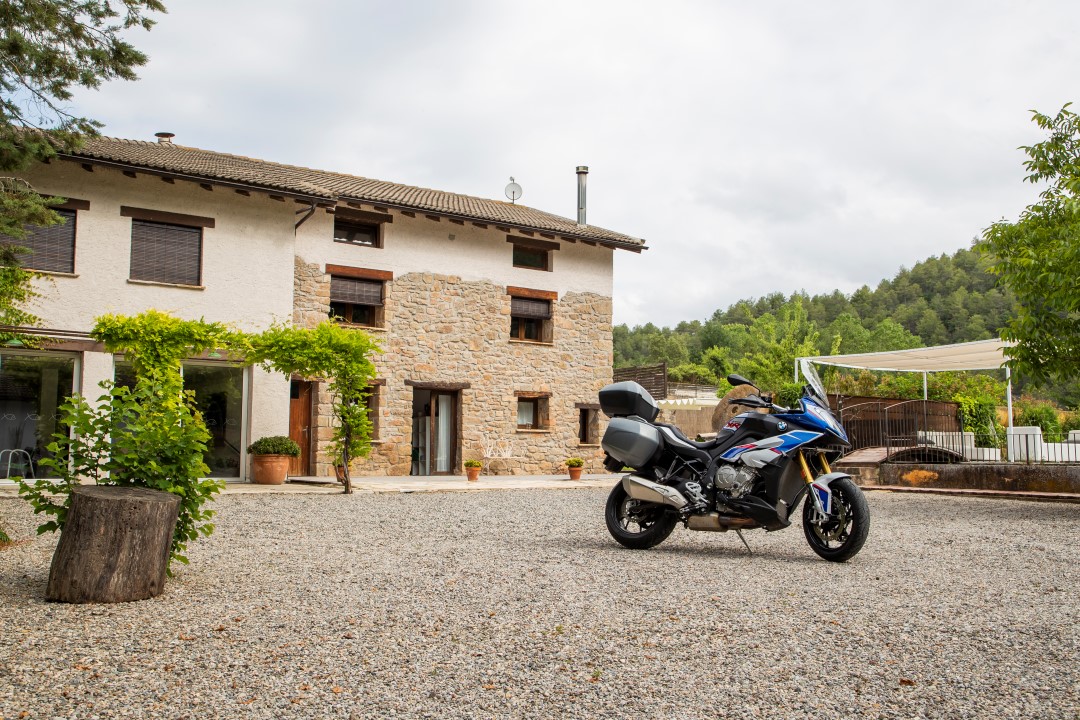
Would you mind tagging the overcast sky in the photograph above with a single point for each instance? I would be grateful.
(757, 147)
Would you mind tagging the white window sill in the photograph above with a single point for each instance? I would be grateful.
(53, 273)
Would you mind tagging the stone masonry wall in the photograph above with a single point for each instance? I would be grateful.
(439, 328)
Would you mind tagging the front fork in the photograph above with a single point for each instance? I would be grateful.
(820, 496)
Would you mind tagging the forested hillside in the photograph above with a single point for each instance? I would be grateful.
(944, 299)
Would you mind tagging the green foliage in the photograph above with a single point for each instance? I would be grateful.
(574, 462)
(340, 355)
(1039, 413)
(149, 436)
(16, 292)
(1037, 257)
(1070, 422)
(275, 445)
(156, 343)
(472, 463)
(48, 48)
(788, 394)
(4, 539)
(691, 373)
(978, 415)
(777, 342)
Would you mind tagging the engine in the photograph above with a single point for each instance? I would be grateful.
(734, 480)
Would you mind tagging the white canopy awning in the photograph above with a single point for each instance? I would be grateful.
(978, 355)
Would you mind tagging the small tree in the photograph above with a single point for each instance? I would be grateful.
(1037, 257)
(329, 352)
(149, 436)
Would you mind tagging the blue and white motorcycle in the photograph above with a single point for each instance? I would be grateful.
(754, 474)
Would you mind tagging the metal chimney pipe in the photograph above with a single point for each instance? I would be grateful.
(582, 174)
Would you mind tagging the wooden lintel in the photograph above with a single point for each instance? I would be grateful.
(359, 273)
(436, 218)
(532, 293)
(587, 406)
(532, 243)
(350, 213)
(457, 222)
(245, 193)
(481, 225)
(531, 394)
(438, 385)
(207, 186)
(165, 217)
(73, 204)
(131, 173)
(88, 167)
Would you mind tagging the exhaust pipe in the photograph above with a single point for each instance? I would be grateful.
(641, 489)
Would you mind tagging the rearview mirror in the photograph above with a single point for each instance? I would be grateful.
(737, 380)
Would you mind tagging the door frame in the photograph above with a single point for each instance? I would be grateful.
(301, 435)
(455, 413)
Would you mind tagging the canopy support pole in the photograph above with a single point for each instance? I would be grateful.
(924, 395)
(1008, 393)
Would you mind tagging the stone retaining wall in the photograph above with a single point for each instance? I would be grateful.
(1052, 478)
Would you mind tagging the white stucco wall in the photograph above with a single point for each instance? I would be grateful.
(247, 267)
(422, 245)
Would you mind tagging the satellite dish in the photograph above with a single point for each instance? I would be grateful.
(513, 190)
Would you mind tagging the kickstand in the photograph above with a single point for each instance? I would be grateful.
(739, 533)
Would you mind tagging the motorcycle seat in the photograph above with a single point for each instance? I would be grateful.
(707, 445)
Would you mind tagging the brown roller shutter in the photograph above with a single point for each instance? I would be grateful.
(166, 253)
(530, 308)
(52, 249)
(356, 291)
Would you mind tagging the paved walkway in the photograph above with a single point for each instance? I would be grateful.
(429, 483)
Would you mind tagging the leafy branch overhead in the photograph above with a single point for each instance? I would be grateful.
(1037, 256)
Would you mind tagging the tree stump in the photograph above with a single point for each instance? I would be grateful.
(115, 545)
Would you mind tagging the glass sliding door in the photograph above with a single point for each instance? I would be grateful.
(219, 396)
(32, 388)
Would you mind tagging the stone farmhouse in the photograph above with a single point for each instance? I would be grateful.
(494, 318)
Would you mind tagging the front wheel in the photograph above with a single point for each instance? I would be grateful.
(637, 524)
(842, 534)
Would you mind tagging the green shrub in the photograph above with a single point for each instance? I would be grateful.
(978, 415)
(473, 463)
(574, 462)
(1043, 414)
(788, 394)
(148, 436)
(1070, 423)
(274, 445)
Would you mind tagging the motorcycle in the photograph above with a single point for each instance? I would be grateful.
(754, 474)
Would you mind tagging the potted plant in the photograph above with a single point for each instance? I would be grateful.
(270, 459)
(575, 465)
(472, 469)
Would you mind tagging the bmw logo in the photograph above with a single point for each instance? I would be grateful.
(781, 425)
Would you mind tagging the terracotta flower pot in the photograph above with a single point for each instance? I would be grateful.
(269, 469)
(472, 473)
(575, 473)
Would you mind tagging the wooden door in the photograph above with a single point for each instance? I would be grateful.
(300, 426)
(443, 433)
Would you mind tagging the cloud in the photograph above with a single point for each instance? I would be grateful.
(757, 147)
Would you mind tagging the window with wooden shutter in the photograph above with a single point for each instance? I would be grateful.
(166, 253)
(530, 319)
(356, 300)
(51, 249)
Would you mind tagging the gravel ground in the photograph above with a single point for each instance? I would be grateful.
(518, 604)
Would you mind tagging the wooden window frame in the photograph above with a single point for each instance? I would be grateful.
(530, 245)
(51, 234)
(377, 318)
(374, 406)
(588, 426)
(519, 324)
(375, 228)
(166, 220)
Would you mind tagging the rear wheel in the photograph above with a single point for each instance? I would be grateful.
(841, 535)
(637, 524)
